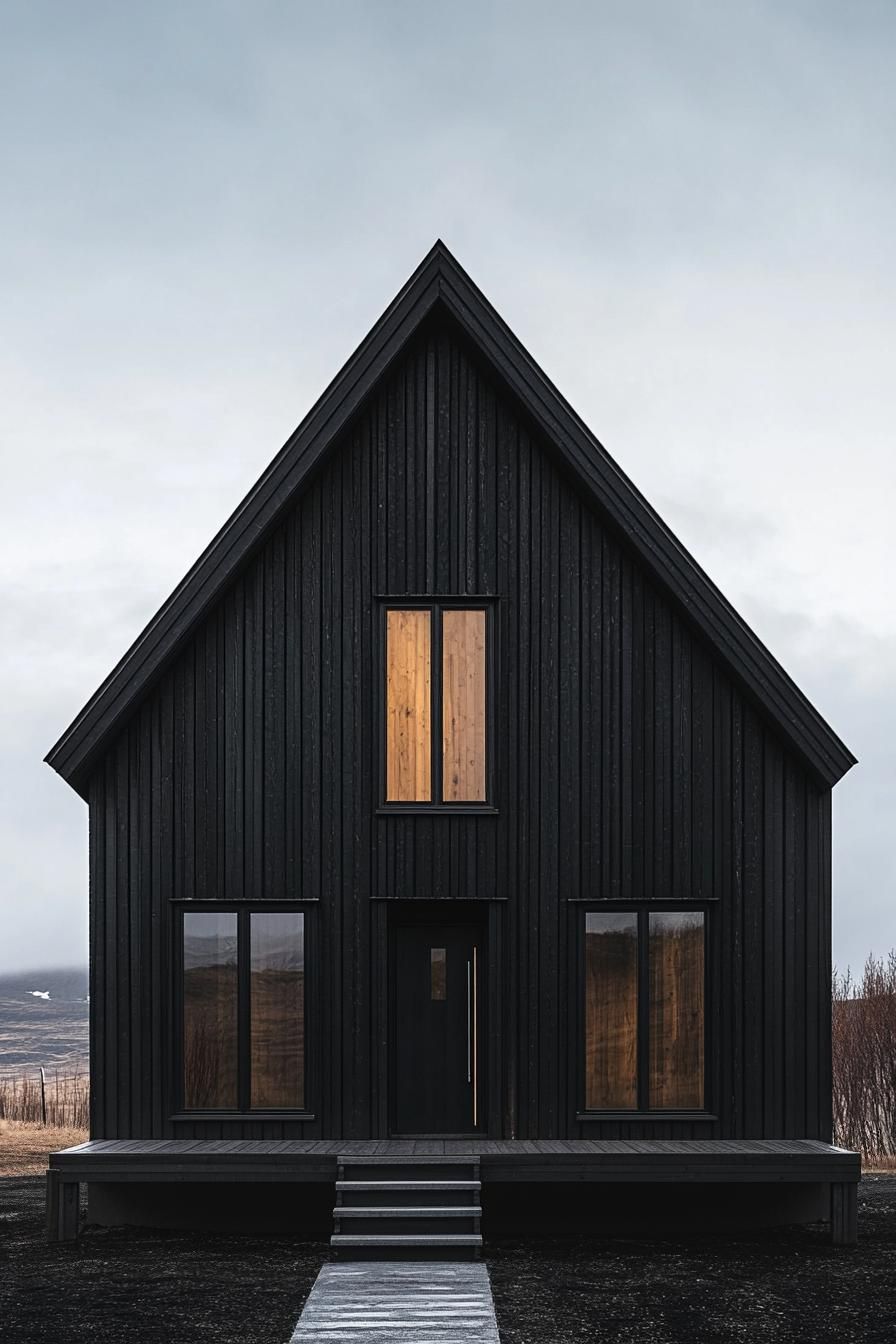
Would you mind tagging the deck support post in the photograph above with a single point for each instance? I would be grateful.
(844, 1213)
(63, 1207)
(52, 1205)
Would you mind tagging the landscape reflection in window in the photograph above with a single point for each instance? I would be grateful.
(277, 1009)
(210, 1011)
(611, 1011)
(676, 1010)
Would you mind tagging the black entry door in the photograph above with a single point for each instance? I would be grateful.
(438, 1066)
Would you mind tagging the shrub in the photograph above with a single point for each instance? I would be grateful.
(864, 1058)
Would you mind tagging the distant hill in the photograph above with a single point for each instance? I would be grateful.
(52, 1032)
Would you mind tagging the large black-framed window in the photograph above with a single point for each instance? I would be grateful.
(241, 1008)
(437, 704)
(643, 1021)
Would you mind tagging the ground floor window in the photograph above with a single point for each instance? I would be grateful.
(644, 1010)
(242, 1002)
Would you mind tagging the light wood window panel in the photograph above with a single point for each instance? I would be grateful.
(611, 1012)
(463, 706)
(676, 1011)
(408, 711)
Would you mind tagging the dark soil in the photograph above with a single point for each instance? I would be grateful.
(143, 1286)
(185, 1287)
(783, 1287)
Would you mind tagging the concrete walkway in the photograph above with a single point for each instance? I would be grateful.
(422, 1303)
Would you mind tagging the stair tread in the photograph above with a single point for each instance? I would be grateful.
(406, 1239)
(410, 1211)
(406, 1159)
(420, 1176)
(408, 1185)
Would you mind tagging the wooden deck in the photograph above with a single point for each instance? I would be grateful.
(500, 1160)
(599, 1160)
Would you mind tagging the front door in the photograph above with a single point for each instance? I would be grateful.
(437, 1055)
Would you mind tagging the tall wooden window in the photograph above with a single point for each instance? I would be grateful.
(611, 1012)
(463, 706)
(210, 1010)
(436, 704)
(644, 1010)
(243, 1015)
(277, 1009)
(676, 989)
(408, 706)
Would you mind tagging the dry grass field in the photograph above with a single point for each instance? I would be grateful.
(879, 1166)
(65, 1097)
(24, 1146)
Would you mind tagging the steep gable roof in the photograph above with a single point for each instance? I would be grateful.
(440, 282)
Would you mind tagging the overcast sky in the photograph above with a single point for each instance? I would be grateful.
(686, 211)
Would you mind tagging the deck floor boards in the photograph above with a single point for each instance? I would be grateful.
(500, 1159)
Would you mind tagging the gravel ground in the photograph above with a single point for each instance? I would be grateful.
(182, 1288)
(144, 1287)
(778, 1287)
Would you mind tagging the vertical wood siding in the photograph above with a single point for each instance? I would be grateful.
(628, 766)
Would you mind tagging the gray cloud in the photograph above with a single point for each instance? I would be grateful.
(686, 212)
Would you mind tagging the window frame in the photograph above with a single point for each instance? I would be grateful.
(642, 910)
(243, 1112)
(435, 605)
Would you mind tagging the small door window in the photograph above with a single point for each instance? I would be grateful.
(437, 973)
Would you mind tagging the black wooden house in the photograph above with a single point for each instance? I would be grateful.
(447, 809)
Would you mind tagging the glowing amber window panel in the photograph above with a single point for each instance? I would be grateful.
(436, 705)
(408, 706)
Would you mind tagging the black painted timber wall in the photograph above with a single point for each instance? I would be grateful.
(630, 766)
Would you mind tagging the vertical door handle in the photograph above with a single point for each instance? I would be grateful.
(469, 1022)
(474, 1037)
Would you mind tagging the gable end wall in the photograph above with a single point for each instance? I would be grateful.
(629, 767)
